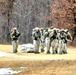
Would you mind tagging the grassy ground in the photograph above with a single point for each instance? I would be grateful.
(40, 64)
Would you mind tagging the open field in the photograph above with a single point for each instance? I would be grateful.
(39, 64)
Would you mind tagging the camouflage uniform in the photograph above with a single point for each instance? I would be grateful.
(54, 41)
(63, 42)
(14, 38)
(47, 42)
(36, 39)
(42, 40)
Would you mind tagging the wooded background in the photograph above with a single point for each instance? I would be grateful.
(28, 14)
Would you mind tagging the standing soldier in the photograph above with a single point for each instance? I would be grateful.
(62, 42)
(42, 40)
(65, 36)
(55, 41)
(14, 38)
(47, 42)
(36, 39)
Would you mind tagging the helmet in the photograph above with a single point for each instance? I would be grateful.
(14, 28)
(62, 30)
(37, 28)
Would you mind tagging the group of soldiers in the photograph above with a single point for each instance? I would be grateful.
(46, 38)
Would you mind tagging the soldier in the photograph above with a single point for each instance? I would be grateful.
(54, 40)
(62, 42)
(47, 41)
(42, 40)
(64, 37)
(14, 38)
(36, 39)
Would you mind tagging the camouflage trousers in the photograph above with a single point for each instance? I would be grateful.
(62, 47)
(42, 46)
(54, 45)
(15, 45)
(47, 45)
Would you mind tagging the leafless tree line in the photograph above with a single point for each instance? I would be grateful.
(26, 15)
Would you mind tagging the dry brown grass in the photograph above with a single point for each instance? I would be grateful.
(53, 67)
(41, 64)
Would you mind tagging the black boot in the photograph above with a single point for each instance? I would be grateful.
(56, 51)
(48, 52)
(15, 51)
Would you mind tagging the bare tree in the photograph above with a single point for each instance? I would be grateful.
(28, 14)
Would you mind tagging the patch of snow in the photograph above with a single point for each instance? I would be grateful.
(4, 71)
(27, 47)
